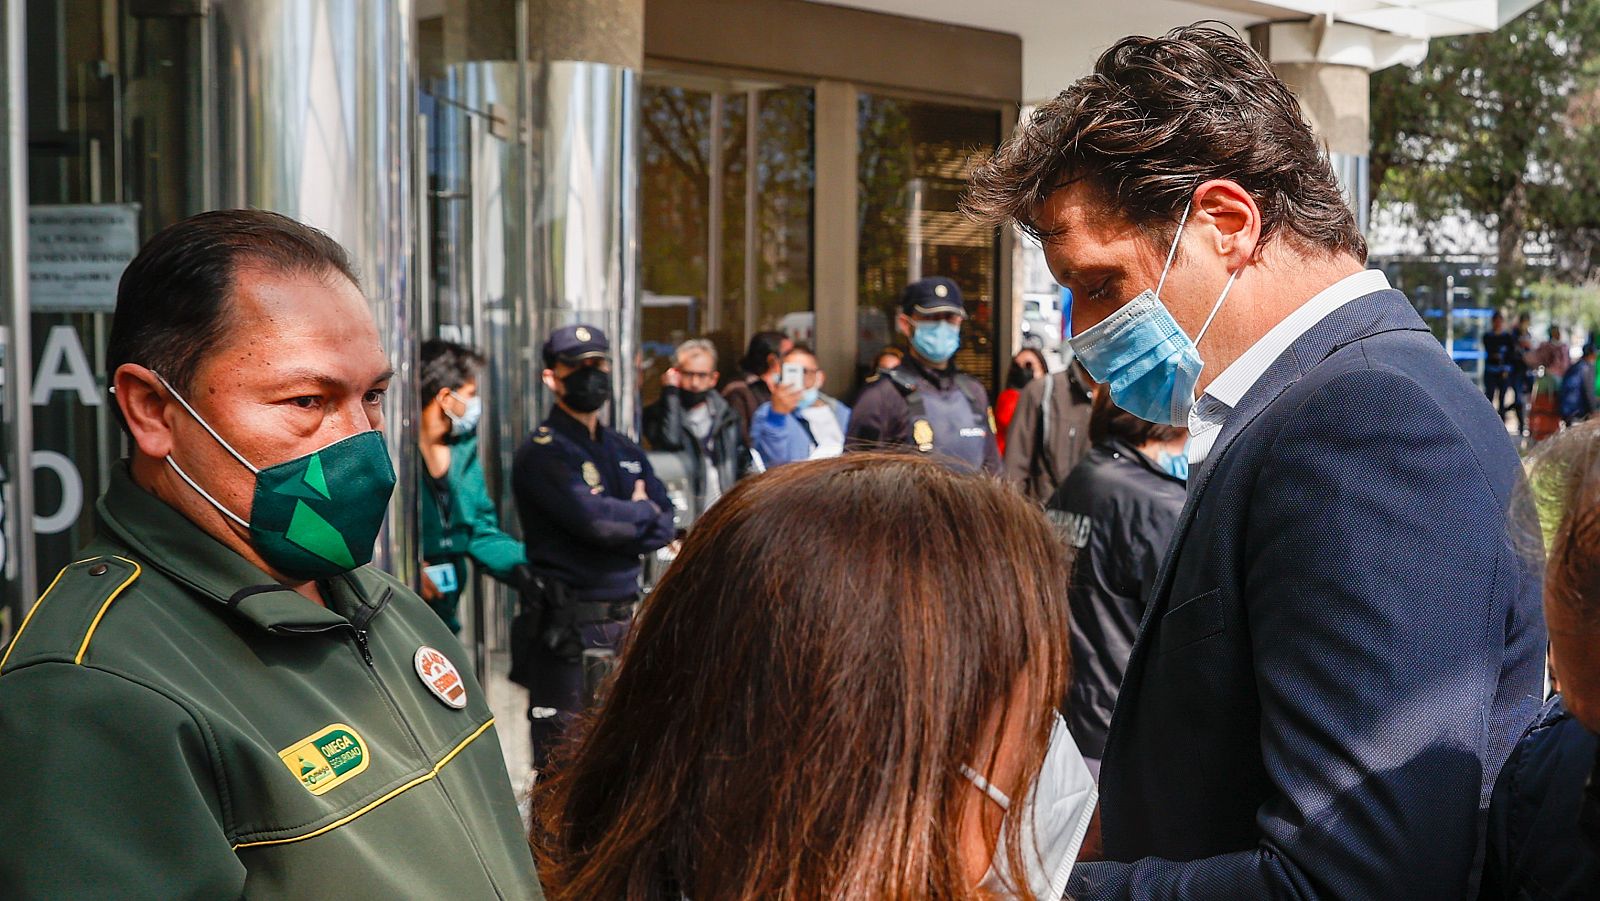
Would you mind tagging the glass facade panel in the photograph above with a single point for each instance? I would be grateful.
(915, 160)
(726, 246)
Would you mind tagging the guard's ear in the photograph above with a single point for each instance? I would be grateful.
(550, 380)
(146, 407)
(902, 324)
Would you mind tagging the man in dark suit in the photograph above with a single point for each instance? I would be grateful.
(1344, 641)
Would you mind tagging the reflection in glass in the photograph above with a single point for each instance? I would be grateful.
(725, 248)
(915, 160)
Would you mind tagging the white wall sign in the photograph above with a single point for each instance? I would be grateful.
(76, 254)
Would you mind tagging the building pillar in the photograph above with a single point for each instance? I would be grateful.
(16, 410)
(1329, 66)
(309, 105)
(566, 115)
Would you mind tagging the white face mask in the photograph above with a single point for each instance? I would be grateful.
(1054, 827)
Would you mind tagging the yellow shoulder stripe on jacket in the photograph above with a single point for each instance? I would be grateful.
(29, 618)
(391, 795)
(95, 624)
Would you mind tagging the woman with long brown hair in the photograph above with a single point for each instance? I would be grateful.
(835, 692)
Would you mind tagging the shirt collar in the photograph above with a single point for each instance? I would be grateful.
(159, 535)
(1231, 386)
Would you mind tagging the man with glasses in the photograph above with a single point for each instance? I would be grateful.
(800, 422)
(927, 404)
(691, 419)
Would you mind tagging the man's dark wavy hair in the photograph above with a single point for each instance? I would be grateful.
(1159, 116)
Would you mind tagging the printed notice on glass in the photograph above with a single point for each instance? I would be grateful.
(76, 254)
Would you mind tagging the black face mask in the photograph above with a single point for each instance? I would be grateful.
(587, 390)
(692, 398)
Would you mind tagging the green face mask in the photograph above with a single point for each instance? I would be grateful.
(317, 515)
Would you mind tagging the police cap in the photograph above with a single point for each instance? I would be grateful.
(933, 295)
(574, 343)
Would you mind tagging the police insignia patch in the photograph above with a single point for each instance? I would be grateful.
(994, 428)
(591, 475)
(582, 334)
(922, 435)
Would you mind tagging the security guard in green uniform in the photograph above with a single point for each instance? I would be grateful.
(927, 405)
(220, 699)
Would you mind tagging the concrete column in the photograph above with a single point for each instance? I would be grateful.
(836, 231)
(1329, 66)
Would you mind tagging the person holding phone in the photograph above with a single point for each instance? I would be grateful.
(692, 420)
(458, 520)
(800, 422)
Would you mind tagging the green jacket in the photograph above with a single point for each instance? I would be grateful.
(178, 726)
(469, 528)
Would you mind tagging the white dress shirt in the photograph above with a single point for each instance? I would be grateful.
(1214, 406)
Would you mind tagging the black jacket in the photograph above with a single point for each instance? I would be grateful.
(1117, 510)
(580, 522)
(1535, 847)
(666, 427)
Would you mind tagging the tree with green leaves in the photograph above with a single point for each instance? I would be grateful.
(1503, 127)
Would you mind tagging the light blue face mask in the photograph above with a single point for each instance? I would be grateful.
(936, 341)
(467, 422)
(1144, 356)
(1175, 465)
(809, 398)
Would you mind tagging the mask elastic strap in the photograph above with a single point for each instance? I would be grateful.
(203, 493)
(1218, 308)
(995, 794)
(207, 426)
(1173, 252)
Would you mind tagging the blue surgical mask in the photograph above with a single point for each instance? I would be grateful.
(1175, 465)
(936, 341)
(809, 398)
(1144, 356)
(467, 422)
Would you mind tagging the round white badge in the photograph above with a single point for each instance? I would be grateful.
(441, 676)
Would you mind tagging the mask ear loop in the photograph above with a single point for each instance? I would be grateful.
(225, 446)
(1173, 251)
(995, 794)
(207, 426)
(1218, 308)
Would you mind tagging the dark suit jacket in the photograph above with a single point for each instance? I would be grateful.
(1343, 646)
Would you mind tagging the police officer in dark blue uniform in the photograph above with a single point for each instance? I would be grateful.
(590, 506)
(926, 404)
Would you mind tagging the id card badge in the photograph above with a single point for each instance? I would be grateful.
(443, 576)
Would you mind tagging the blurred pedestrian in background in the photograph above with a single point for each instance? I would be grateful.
(1343, 644)
(784, 726)
(590, 506)
(1117, 510)
(458, 520)
(760, 367)
(1544, 819)
(927, 405)
(691, 419)
(1027, 365)
(1553, 355)
(1049, 431)
(800, 422)
(1499, 383)
(1579, 387)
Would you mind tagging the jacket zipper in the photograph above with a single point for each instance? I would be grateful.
(400, 717)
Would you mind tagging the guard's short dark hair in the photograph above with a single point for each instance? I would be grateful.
(447, 365)
(763, 345)
(1107, 421)
(1156, 118)
(172, 302)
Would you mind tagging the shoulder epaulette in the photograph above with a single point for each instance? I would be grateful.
(904, 383)
(543, 435)
(61, 624)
